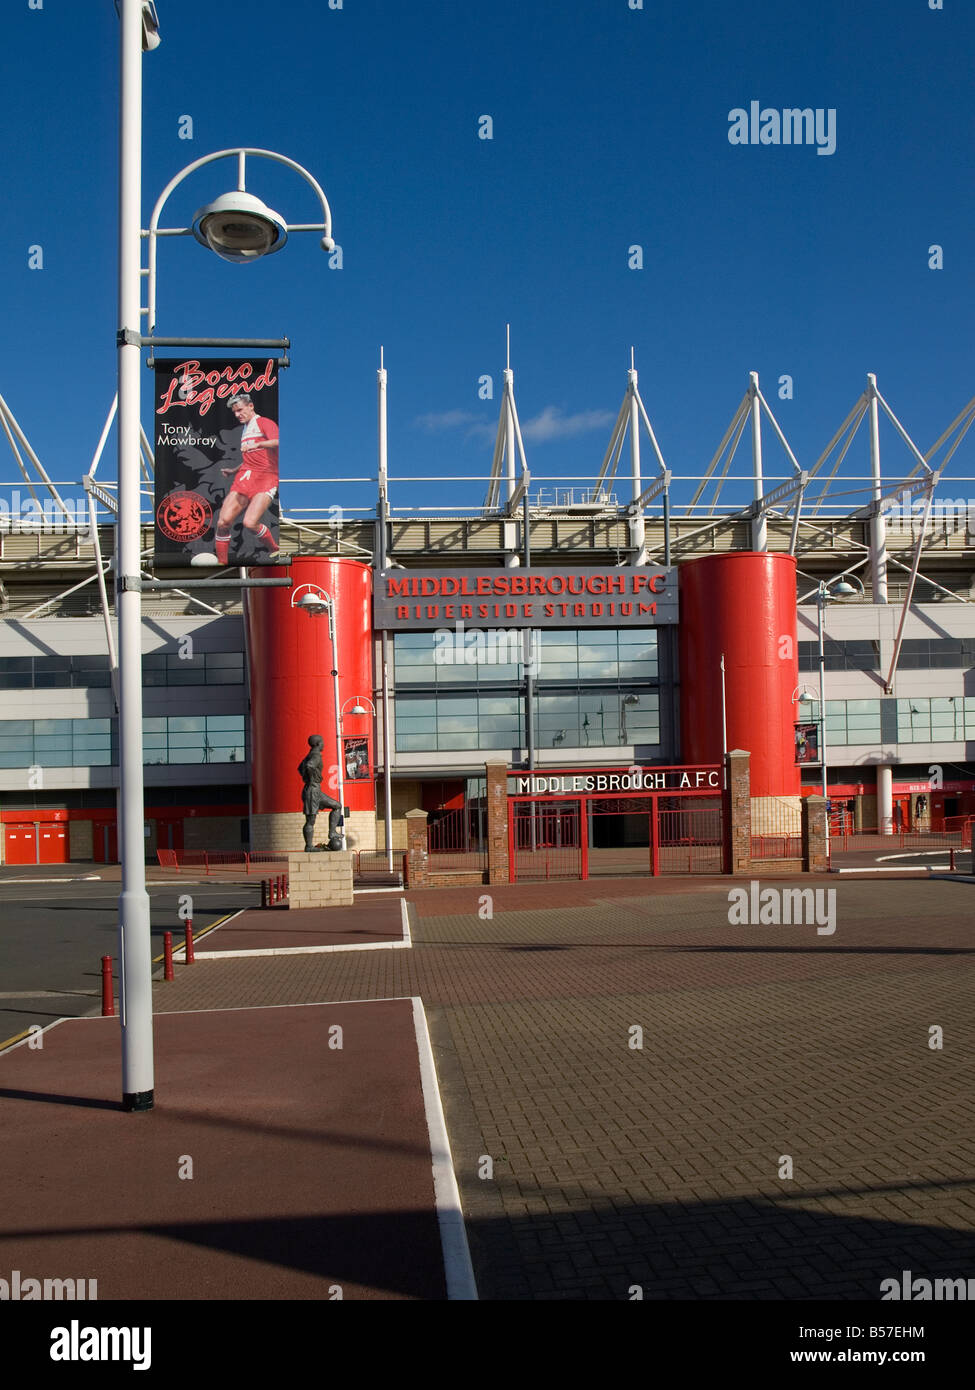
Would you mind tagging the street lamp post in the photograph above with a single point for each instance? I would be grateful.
(135, 960)
(240, 228)
(840, 590)
(359, 703)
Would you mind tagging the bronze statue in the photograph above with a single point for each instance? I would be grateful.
(313, 799)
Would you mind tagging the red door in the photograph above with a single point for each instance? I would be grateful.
(21, 844)
(52, 843)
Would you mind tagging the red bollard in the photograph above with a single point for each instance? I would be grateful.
(280, 888)
(952, 864)
(190, 957)
(168, 956)
(263, 892)
(287, 885)
(272, 897)
(108, 994)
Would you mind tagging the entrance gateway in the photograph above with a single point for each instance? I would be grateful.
(610, 822)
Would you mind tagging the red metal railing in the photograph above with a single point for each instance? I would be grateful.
(454, 843)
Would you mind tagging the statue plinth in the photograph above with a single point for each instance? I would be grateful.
(320, 880)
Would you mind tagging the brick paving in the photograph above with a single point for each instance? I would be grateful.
(613, 1166)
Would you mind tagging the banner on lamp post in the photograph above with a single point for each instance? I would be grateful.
(357, 760)
(216, 464)
(807, 743)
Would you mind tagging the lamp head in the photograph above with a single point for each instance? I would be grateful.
(358, 709)
(313, 604)
(843, 589)
(239, 227)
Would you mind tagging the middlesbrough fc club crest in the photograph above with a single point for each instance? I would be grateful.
(184, 516)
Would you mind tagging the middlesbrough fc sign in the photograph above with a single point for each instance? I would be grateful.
(614, 596)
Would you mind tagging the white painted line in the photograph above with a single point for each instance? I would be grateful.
(453, 1234)
(87, 878)
(47, 993)
(914, 854)
(180, 951)
(303, 950)
(46, 1029)
(244, 1008)
(890, 869)
(378, 890)
(406, 944)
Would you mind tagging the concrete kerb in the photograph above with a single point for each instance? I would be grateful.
(405, 943)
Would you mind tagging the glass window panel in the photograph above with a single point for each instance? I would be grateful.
(415, 743)
(499, 723)
(558, 672)
(451, 741)
(598, 670)
(226, 721)
(466, 707)
(186, 724)
(17, 728)
(414, 706)
(413, 725)
(499, 704)
(452, 675)
(492, 739)
(186, 674)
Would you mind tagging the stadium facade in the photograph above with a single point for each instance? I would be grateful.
(592, 646)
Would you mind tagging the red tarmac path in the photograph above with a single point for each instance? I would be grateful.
(311, 1163)
(372, 920)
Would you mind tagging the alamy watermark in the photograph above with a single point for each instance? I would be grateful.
(21, 1288)
(28, 516)
(462, 646)
(906, 513)
(793, 125)
(913, 1290)
(756, 906)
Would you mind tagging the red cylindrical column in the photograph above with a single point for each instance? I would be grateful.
(168, 972)
(744, 606)
(292, 694)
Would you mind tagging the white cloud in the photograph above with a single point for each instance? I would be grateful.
(552, 424)
(436, 422)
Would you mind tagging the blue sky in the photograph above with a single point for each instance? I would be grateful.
(610, 129)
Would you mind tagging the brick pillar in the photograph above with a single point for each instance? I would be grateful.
(815, 854)
(497, 811)
(738, 814)
(416, 849)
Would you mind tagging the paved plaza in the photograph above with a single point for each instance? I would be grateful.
(616, 1166)
(641, 1099)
